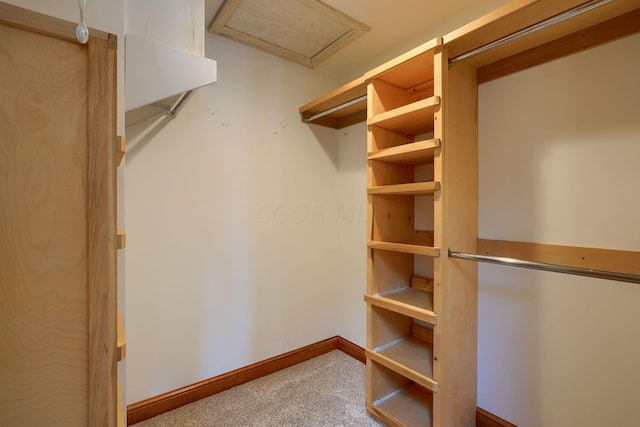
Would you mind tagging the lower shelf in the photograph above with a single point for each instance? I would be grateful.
(408, 248)
(410, 358)
(408, 406)
(408, 301)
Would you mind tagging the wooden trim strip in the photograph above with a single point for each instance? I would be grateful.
(154, 406)
(613, 29)
(351, 349)
(44, 24)
(101, 208)
(592, 258)
(487, 419)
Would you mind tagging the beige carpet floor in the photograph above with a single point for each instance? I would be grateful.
(325, 391)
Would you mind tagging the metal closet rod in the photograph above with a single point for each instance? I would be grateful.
(336, 108)
(555, 268)
(585, 7)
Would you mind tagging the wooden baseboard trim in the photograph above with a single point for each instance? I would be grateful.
(154, 406)
(351, 349)
(487, 419)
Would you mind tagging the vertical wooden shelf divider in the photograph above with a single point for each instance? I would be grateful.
(422, 181)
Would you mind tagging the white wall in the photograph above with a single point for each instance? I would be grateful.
(177, 23)
(241, 240)
(246, 232)
(559, 164)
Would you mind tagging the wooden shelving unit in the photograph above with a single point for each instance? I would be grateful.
(410, 102)
(422, 118)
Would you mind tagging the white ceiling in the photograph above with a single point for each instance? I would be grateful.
(396, 26)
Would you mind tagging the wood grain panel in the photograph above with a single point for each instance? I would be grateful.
(43, 230)
(607, 31)
(101, 203)
(456, 224)
(593, 258)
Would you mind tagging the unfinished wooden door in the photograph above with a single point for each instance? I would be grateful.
(57, 224)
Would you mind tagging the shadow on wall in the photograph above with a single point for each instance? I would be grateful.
(140, 135)
(327, 138)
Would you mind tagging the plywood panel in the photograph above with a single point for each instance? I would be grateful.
(456, 224)
(43, 230)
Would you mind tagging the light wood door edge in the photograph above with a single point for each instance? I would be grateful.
(584, 257)
(121, 340)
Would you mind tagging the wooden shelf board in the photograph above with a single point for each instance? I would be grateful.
(409, 248)
(595, 35)
(521, 14)
(582, 257)
(410, 358)
(409, 189)
(414, 153)
(408, 301)
(410, 69)
(411, 406)
(121, 241)
(344, 117)
(121, 340)
(415, 118)
(121, 149)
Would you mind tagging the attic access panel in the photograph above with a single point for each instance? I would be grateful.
(303, 31)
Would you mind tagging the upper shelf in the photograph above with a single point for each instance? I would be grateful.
(605, 20)
(602, 21)
(345, 116)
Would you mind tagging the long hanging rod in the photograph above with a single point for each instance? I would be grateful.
(336, 108)
(585, 7)
(556, 268)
